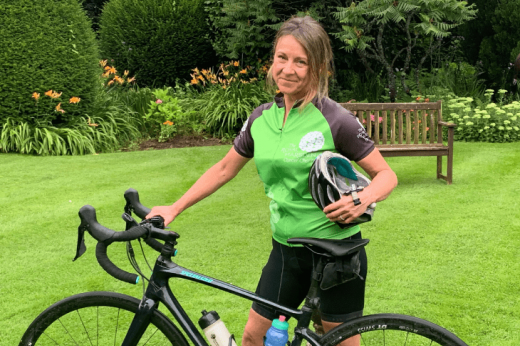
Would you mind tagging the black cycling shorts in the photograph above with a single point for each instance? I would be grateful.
(286, 279)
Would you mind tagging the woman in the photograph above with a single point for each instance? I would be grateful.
(284, 137)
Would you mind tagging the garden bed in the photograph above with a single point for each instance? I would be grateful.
(176, 142)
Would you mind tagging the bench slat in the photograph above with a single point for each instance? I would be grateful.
(400, 124)
(408, 127)
(392, 127)
(376, 127)
(424, 127)
(385, 127)
(432, 126)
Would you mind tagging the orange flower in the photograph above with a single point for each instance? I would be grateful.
(169, 123)
(126, 73)
(103, 63)
(113, 70)
(418, 98)
(58, 108)
(236, 63)
(35, 96)
(244, 71)
(74, 99)
(107, 68)
(119, 80)
(223, 87)
(90, 123)
(49, 93)
(130, 80)
(426, 100)
(194, 81)
(105, 75)
(111, 82)
(55, 95)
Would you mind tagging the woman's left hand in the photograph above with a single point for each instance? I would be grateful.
(344, 210)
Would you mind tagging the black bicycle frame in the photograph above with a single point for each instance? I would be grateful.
(158, 290)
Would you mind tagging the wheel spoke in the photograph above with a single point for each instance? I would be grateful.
(151, 336)
(406, 340)
(67, 332)
(84, 327)
(51, 339)
(117, 325)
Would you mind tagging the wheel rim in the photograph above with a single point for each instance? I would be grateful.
(97, 319)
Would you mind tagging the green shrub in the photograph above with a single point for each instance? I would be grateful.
(166, 118)
(156, 40)
(487, 122)
(229, 96)
(46, 44)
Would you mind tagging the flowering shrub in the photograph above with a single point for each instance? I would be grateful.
(488, 122)
(111, 78)
(166, 118)
(229, 74)
(230, 95)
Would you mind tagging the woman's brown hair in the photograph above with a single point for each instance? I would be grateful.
(314, 39)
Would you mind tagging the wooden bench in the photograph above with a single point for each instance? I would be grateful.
(407, 129)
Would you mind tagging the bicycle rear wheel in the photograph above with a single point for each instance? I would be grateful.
(392, 330)
(97, 318)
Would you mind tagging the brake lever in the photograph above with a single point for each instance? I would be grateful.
(130, 221)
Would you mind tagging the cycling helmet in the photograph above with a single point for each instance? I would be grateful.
(332, 176)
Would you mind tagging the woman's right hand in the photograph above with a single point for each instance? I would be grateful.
(167, 212)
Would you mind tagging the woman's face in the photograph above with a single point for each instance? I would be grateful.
(291, 68)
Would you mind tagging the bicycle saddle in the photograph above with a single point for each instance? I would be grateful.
(330, 247)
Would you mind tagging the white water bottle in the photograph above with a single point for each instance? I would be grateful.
(215, 330)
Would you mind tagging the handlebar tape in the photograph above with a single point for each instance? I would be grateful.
(111, 268)
(132, 197)
(154, 244)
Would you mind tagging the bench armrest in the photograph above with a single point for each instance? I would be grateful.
(443, 123)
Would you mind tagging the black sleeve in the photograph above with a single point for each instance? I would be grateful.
(350, 137)
(244, 143)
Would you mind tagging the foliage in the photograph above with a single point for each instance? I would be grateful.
(229, 96)
(245, 30)
(109, 124)
(157, 40)
(46, 45)
(496, 51)
(461, 79)
(423, 23)
(166, 118)
(95, 135)
(487, 122)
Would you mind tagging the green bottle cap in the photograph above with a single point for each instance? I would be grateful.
(280, 323)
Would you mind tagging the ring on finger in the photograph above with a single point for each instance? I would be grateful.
(341, 217)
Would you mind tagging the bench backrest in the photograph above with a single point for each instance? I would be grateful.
(400, 123)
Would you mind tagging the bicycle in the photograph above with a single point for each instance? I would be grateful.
(82, 319)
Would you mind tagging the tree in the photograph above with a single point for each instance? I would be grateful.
(423, 24)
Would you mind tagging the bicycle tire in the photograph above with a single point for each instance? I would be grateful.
(392, 330)
(60, 325)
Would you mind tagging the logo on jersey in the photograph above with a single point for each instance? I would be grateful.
(362, 133)
(245, 125)
(312, 141)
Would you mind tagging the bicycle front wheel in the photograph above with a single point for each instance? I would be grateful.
(97, 318)
(392, 330)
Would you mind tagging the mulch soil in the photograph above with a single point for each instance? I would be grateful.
(178, 142)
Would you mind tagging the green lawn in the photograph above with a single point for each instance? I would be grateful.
(448, 254)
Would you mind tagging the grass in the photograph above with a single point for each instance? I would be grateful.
(448, 254)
